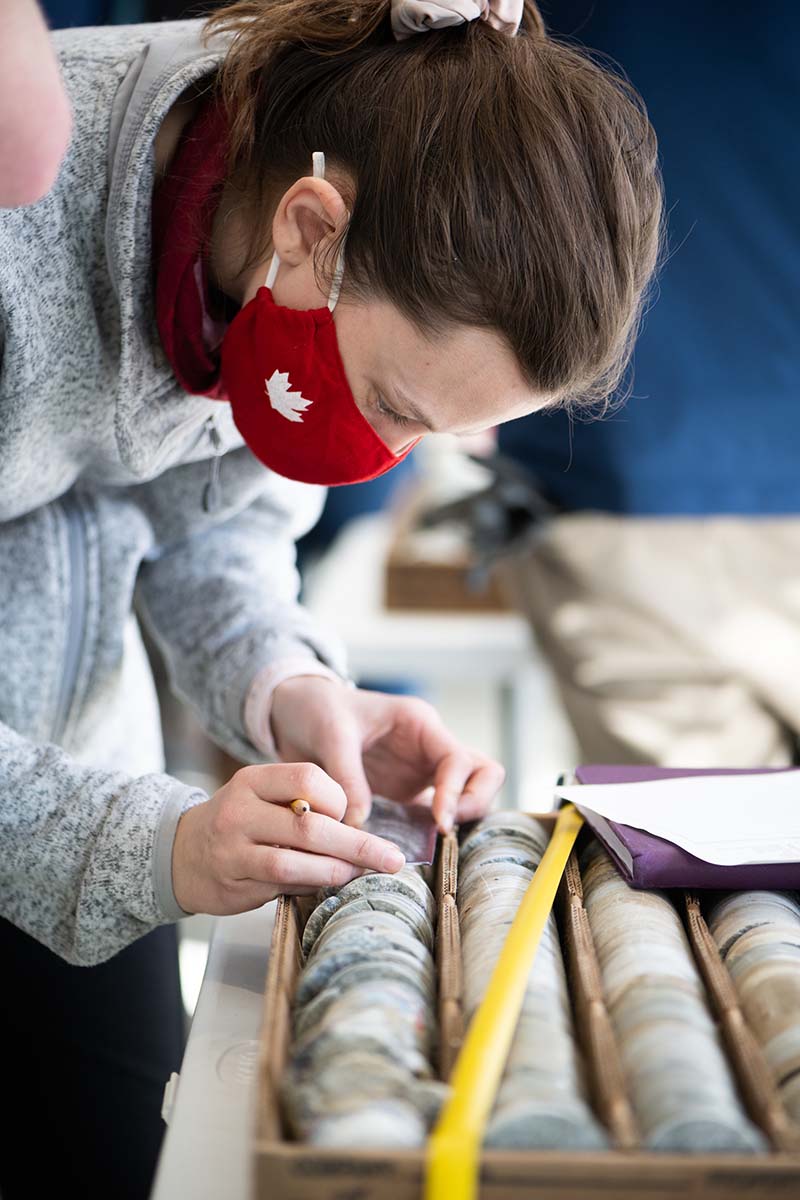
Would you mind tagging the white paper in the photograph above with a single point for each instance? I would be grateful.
(724, 819)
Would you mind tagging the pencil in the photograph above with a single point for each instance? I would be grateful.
(300, 807)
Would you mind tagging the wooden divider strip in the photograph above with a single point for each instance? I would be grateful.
(606, 1074)
(447, 866)
(744, 1053)
(450, 973)
(282, 968)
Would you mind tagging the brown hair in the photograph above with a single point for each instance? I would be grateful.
(502, 182)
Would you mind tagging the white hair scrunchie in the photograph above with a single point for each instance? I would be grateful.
(418, 16)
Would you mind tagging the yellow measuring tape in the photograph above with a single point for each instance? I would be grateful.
(453, 1155)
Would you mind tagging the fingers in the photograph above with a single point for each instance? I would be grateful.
(465, 786)
(343, 761)
(480, 791)
(245, 846)
(295, 872)
(450, 779)
(284, 782)
(465, 783)
(319, 836)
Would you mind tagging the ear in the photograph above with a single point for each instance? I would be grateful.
(312, 209)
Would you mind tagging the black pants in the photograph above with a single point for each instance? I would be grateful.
(86, 1052)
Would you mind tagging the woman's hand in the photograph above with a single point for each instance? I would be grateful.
(393, 746)
(245, 846)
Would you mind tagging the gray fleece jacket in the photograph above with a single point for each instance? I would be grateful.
(103, 465)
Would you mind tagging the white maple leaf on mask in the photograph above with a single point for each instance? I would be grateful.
(289, 404)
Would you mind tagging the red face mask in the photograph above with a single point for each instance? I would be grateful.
(291, 401)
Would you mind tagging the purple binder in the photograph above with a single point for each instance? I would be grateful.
(657, 863)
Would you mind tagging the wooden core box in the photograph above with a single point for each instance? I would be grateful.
(288, 1170)
(430, 570)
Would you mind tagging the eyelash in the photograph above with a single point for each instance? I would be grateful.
(385, 411)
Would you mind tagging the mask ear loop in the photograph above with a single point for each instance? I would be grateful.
(272, 273)
(318, 160)
(338, 272)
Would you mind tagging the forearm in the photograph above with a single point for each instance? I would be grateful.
(215, 659)
(222, 607)
(86, 867)
(35, 116)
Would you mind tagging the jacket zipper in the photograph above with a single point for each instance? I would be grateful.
(76, 616)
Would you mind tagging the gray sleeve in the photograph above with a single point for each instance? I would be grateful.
(219, 596)
(86, 864)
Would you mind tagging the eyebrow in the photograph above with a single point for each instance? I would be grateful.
(409, 407)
